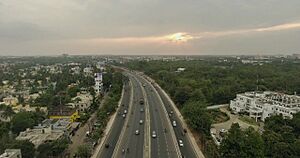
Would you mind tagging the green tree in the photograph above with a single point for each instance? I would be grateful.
(197, 116)
(27, 148)
(83, 151)
(231, 146)
(21, 121)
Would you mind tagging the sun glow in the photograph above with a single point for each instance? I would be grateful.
(179, 37)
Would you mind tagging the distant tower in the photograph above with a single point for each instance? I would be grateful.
(98, 83)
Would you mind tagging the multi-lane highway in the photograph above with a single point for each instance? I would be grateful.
(131, 143)
(147, 129)
(109, 144)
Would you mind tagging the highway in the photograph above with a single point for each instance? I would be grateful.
(116, 128)
(132, 144)
(123, 140)
(163, 146)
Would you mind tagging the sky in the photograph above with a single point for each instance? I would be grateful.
(149, 27)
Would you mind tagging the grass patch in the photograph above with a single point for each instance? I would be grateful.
(248, 120)
(218, 116)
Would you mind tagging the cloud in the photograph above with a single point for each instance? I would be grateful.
(185, 36)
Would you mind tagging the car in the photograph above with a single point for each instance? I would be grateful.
(142, 110)
(137, 132)
(141, 121)
(171, 112)
(87, 133)
(124, 115)
(174, 124)
(125, 111)
(106, 145)
(144, 85)
(141, 101)
(95, 144)
(180, 143)
(154, 134)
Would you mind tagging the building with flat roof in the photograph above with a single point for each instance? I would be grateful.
(63, 112)
(261, 105)
(40, 134)
(11, 153)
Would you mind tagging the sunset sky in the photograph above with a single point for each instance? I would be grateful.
(149, 27)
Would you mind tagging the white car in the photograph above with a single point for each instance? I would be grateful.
(174, 124)
(154, 134)
(123, 115)
(137, 132)
(125, 111)
(141, 121)
(180, 143)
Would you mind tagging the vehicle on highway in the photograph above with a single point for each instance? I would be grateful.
(124, 115)
(174, 123)
(171, 112)
(141, 101)
(144, 85)
(142, 109)
(154, 134)
(125, 111)
(180, 143)
(106, 145)
(141, 121)
(137, 132)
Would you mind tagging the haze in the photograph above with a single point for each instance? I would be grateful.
(142, 27)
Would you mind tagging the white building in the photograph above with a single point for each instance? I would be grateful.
(260, 105)
(98, 83)
(11, 153)
(88, 71)
(82, 101)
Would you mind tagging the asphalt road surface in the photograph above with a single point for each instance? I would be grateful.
(132, 143)
(106, 152)
(123, 140)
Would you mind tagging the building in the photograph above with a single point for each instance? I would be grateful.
(82, 101)
(180, 69)
(3, 117)
(88, 71)
(98, 83)
(11, 153)
(40, 135)
(27, 107)
(10, 100)
(63, 112)
(261, 105)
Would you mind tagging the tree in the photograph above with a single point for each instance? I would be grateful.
(231, 146)
(197, 117)
(27, 148)
(83, 151)
(59, 146)
(270, 139)
(21, 121)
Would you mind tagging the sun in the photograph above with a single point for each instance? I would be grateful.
(179, 37)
